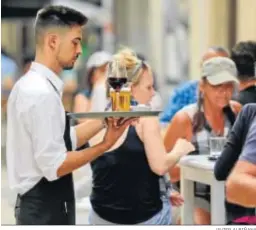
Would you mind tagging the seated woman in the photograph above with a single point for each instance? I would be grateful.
(126, 179)
(93, 96)
(213, 115)
(230, 156)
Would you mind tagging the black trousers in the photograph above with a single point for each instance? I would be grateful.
(33, 211)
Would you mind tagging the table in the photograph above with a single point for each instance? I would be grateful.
(198, 168)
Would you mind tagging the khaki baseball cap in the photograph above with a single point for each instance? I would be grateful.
(219, 70)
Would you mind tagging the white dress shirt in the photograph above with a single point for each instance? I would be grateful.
(35, 129)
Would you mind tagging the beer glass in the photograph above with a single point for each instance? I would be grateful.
(124, 99)
(116, 78)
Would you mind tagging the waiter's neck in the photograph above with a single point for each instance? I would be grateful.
(49, 62)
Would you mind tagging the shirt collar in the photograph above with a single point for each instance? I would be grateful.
(49, 74)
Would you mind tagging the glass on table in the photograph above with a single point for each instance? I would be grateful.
(217, 145)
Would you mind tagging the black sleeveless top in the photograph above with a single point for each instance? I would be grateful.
(125, 190)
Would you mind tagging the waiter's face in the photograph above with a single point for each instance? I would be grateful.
(69, 47)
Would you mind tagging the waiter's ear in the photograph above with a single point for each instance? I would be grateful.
(52, 41)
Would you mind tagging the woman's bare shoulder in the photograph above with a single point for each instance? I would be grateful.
(181, 118)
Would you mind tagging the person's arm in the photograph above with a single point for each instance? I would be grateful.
(82, 104)
(87, 128)
(45, 127)
(160, 162)
(70, 81)
(70, 86)
(232, 149)
(76, 159)
(85, 131)
(9, 74)
(180, 127)
(7, 83)
(241, 185)
(235, 142)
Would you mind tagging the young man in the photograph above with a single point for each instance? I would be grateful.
(40, 142)
(241, 184)
(230, 155)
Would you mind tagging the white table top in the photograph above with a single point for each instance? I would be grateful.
(197, 161)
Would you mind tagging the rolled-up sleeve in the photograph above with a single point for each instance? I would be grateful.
(249, 150)
(47, 129)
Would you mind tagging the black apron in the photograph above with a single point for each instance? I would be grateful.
(49, 202)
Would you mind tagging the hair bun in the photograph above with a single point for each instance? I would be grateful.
(127, 57)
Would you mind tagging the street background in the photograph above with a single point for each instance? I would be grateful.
(171, 34)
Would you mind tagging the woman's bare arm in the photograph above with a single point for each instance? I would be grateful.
(160, 162)
(180, 127)
(81, 105)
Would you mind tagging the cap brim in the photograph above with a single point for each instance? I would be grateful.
(221, 78)
(98, 61)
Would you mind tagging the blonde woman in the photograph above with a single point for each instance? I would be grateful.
(126, 188)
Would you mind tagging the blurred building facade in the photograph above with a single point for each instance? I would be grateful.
(219, 22)
(172, 34)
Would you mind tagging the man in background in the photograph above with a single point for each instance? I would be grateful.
(244, 55)
(186, 93)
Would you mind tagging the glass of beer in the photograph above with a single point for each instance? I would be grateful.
(124, 99)
(116, 78)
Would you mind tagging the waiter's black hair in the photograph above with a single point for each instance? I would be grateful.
(244, 56)
(57, 16)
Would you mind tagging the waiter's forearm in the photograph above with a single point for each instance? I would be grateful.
(76, 159)
(85, 131)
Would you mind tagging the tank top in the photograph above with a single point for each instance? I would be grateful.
(201, 141)
(125, 190)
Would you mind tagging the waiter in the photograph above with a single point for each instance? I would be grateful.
(40, 143)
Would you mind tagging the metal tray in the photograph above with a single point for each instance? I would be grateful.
(101, 115)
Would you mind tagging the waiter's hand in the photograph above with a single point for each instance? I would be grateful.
(115, 128)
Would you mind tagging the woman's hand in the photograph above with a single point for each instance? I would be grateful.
(182, 147)
(176, 199)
